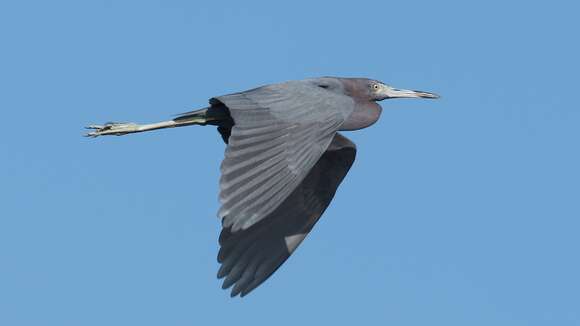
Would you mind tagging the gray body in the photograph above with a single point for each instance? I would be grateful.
(279, 133)
(283, 163)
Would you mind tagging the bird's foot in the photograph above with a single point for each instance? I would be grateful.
(112, 128)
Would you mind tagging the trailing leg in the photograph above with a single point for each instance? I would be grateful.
(212, 115)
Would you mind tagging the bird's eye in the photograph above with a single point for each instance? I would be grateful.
(375, 86)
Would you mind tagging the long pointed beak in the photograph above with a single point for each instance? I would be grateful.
(405, 93)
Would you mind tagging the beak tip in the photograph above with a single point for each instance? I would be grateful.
(429, 95)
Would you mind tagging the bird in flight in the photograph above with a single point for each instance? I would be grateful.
(283, 162)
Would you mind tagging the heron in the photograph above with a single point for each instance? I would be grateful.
(284, 160)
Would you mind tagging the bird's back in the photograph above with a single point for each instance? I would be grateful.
(306, 99)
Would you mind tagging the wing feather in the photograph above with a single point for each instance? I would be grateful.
(249, 256)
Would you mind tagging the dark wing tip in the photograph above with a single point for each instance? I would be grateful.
(250, 256)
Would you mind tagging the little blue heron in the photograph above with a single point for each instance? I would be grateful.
(283, 163)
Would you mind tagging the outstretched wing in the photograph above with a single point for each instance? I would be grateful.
(250, 256)
(280, 131)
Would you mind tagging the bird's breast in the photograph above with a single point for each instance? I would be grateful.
(363, 115)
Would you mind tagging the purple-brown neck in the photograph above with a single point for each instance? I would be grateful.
(366, 111)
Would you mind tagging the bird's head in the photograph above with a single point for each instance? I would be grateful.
(379, 91)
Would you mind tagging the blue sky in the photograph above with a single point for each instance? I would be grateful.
(462, 211)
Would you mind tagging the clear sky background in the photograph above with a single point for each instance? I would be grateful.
(462, 211)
